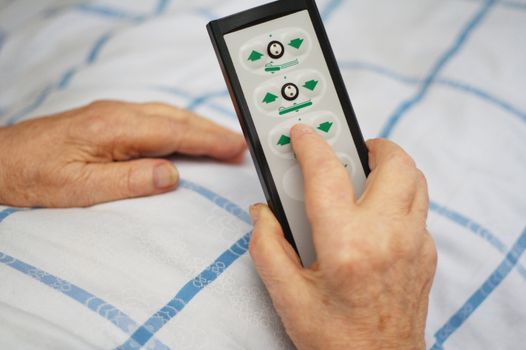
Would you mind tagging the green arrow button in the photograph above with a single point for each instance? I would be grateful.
(311, 85)
(269, 98)
(296, 43)
(284, 140)
(325, 127)
(254, 56)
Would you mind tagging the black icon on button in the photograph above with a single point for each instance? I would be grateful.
(275, 49)
(290, 92)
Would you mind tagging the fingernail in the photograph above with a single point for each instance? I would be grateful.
(165, 175)
(254, 213)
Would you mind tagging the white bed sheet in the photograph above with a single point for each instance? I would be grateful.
(445, 79)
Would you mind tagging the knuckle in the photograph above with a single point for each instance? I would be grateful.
(401, 159)
(429, 251)
(362, 256)
(159, 105)
(401, 246)
(101, 118)
(105, 104)
(130, 186)
(421, 179)
(179, 130)
(253, 246)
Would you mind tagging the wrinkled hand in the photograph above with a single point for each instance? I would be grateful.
(103, 152)
(375, 263)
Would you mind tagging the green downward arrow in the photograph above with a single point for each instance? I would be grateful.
(284, 140)
(254, 56)
(296, 43)
(269, 98)
(311, 85)
(325, 127)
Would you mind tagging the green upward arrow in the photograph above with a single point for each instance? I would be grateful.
(284, 140)
(325, 127)
(296, 43)
(311, 84)
(269, 98)
(254, 56)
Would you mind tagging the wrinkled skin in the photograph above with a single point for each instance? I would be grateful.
(103, 152)
(369, 286)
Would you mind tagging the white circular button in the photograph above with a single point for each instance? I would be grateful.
(293, 183)
(275, 49)
(290, 92)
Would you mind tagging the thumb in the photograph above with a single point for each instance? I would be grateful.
(136, 178)
(274, 258)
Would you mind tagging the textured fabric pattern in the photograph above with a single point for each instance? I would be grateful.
(445, 79)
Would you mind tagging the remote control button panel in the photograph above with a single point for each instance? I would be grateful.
(286, 81)
(275, 53)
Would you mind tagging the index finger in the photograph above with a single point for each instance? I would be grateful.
(328, 187)
(159, 129)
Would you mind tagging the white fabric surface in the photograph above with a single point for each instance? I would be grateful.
(453, 71)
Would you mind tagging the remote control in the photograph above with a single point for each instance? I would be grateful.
(280, 70)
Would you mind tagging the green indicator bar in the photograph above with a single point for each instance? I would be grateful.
(255, 56)
(284, 140)
(295, 108)
(325, 127)
(269, 67)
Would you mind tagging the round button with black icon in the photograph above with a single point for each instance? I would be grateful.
(290, 92)
(275, 49)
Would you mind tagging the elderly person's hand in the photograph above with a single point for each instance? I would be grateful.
(104, 151)
(375, 263)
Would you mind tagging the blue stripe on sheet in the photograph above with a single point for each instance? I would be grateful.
(196, 102)
(40, 98)
(218, 200)
(99, 44)
(207, 276)
(375, 68)
(5, 213)
(482, 293)
(504, 105)
(172, 90)
(457, 85)
(91, 57)
(515, 5)
(475, 228)
(108, 12)
(186, 294)
(95, 304)
(162, 5)
(66, 78)
(206, 13)
(330, 8)
(460, 40)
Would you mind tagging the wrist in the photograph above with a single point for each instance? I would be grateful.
(370, 333)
